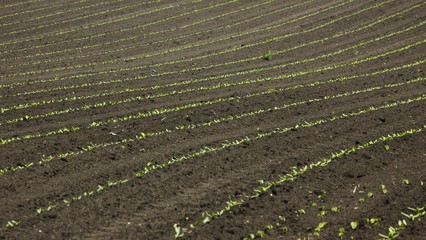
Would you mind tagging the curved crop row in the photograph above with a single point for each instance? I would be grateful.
(20, 3)
(255, 113)
(294, 174)
(57, 13)
(39, 9)
(322, 211)
(203, 88)
(144, 123)
(189, 46)
(379, 20)
(417, 214)
(203, 103)
(121, 31)
(163, 40)
(73, 30)
(207, 217)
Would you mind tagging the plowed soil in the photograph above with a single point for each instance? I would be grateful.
(199, 119)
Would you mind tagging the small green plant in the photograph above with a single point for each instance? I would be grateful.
(354, 225)
(336, 209)
(260, 233)
(179, 231)
(392, 233)
(301, 211)
(12, 223)
(387, 147)
(319, 228)
(323, 212)
(46, 209)
(321, 195)
(373, 221)
(341, 232)
(282, 219)
(406, 181)
(384, 189)
(90, 147)
(267, 56)
(370, 194)
(284, 229)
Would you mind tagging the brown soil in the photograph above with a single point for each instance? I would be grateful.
(68, 64)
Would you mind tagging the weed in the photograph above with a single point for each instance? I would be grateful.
(267, 56)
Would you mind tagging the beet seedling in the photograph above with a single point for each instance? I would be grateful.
(12, 223)
(384, 189)
(341, 233)
(354, 225)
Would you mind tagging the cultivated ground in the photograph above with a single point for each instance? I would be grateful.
(225, 119)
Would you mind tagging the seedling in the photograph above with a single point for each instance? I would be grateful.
(46, 209)
(284, 229)
(354, 225)
(260, 233)
(282, 219)
(336, 209)
(319, 228)
(267, 56)
(406, 181)
(370, 194)
(179, 231)
(384, 189)
(392, 233)
(322, 212)
(12, 224)
(374, 221)
(321, 196)
(341, 232)
(250, 236)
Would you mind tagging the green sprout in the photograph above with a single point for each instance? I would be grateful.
(373, 221)
(12, 223)
(341, 232)
(267, 56)
(354, 225)
(301, 211)
(384, 189)
(260, 233)
(284, 229)
(179, 231)
(336, 209)
(319, 228)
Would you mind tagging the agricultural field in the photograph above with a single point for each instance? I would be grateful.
(220, 119)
